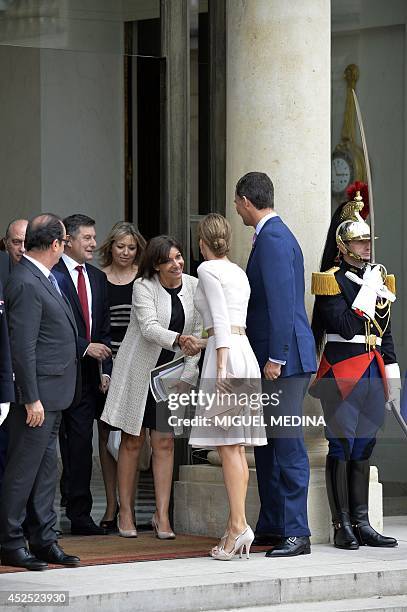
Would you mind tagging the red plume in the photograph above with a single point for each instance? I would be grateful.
(364, 192)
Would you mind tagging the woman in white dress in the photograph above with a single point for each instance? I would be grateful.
(230, 366)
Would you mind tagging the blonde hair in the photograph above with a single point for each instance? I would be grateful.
(120, 230)
(216, 232)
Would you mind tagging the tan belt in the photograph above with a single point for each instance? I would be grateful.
(234, 329)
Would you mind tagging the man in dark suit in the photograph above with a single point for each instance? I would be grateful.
(86, 289)
(6, 381)
(280, 335)
(5, 268)
(14, 239)
(44, 349)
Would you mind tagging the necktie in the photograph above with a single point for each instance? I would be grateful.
(254, 239)
(54, 282)
(83, 298)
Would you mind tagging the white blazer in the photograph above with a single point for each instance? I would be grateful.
(146, 335)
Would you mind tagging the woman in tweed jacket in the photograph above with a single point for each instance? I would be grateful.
(162, 313)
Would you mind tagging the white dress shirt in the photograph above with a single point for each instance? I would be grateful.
(264, 220)
(258, 229)
(71, 265)
(46, 272)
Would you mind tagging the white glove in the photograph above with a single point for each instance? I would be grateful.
(373, 278)
(372, 286)
(394, 385)
(4, 410)
(366, 301)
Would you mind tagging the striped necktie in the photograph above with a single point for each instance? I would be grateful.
(54, 282)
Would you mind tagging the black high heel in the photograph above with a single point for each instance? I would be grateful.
(111, 525)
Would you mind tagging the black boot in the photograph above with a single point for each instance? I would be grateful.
(336, 474)
(359, 473)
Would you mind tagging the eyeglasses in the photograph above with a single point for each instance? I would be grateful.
(64, 240)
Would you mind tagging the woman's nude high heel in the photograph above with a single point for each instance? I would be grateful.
(243, 540)
(161, 535)
(126, 533)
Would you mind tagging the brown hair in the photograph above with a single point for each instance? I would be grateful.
(157, 252)
(216, 232)
(120, 230)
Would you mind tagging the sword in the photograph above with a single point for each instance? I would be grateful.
(391, 404)
(368, 176)
(398, 417)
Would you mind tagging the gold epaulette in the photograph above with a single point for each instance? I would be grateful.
(390, 283)
(324, 283)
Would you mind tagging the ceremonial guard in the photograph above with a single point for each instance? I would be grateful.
(358, 371)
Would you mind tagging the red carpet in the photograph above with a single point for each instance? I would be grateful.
(102, 550)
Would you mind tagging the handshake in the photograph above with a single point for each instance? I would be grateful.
(190, 345)
(372, 287)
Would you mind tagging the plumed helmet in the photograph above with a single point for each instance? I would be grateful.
(352, 226)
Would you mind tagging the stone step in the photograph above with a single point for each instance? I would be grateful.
(397, 603)
(189, 585)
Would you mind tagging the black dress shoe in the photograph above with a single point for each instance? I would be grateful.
(264, 539)
(87, 529)
(291, 547)
(54, 554)
(21, 557)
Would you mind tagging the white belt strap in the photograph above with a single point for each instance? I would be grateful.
(358, 339)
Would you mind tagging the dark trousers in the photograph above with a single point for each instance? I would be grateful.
(29, 481)
(282, 466)
(352, 424)
(3, 449)
(76, 454)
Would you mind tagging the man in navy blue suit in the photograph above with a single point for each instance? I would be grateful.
(86, 289)
(281, 338)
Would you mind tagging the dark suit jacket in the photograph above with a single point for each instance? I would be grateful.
(277, 323)
(43, 339)
(5, 268)
(6, 371)
(100, 331)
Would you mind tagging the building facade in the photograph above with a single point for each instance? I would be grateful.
(150, 110)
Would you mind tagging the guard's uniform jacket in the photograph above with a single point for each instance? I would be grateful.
(353, 341)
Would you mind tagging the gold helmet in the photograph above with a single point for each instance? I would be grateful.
(352, 226)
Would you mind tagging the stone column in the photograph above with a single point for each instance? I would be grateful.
(278, 114)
